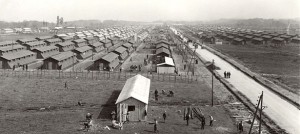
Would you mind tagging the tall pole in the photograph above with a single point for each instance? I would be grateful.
(254, 115)
(261, 108)
(212, 83)
(73, 57)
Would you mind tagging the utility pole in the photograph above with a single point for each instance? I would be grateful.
(73, 58)
(212, 83)
(261, 108)
(258, 107)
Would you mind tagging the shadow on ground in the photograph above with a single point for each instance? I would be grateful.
(109, 106)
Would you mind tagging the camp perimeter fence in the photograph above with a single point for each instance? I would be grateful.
(98, 75)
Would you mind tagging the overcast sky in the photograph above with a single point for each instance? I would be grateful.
(146, 10)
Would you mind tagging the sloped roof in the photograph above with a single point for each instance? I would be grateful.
(258, 39)
(163, 42)
(83, 49)
(161, 45)
(11, 47)
(67, 38)
(96, 44)
(27, 40)
(62, 56)
(120, 50)
(110, 57)
(53, 40)
(168, 61)
(8, 42)
(43, 49)
(137, 87)
(278, 39)
(248, 37)
(127, 45)
(266, 37)
(238, 39)
(89, 38)
(79, 41)
(65, 43)
(161, 50)
(44, 37)
(17, 55)
(105, 41)
(35, 43)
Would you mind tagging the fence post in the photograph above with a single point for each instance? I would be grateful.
(175, 79)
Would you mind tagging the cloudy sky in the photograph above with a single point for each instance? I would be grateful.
(146, 10)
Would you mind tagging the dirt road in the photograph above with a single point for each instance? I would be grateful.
(284, 114)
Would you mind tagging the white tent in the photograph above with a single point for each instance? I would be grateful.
(133, 99)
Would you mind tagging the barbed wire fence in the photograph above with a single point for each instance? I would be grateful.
(98, 75)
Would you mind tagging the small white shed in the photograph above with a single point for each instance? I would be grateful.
(134, 99)
(166, 67)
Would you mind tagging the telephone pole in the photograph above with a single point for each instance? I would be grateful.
(259, 107)
(212, 83)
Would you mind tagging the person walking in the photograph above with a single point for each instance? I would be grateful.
(113, 115)
(187, 119)
(156, 94)
(225, 73)
(66, 85)
(211, 120)
(241, 126)
(203, 123)
(164, 116)
(155, 126)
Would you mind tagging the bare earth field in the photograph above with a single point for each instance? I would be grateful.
(280, 65)
(45, 106)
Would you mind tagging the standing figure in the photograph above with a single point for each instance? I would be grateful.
(156, 94)
(127, 116)
(155, 126)
(113, 115)
(164, 116)
(225, 74)
(187, 119)
(211, 120)
(66, 85)
(241, 126)
(202, 122)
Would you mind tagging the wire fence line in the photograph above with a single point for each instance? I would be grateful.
(99, 75)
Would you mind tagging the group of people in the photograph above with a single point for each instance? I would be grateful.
(24, 67)
(202, 120)
(135, 67)
(171, 94)
(87, 124)
(227, 74)
(164, 115)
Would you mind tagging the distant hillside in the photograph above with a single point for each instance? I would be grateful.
(258, 23)
(31, 24)
(78, 23)
(99, 24)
